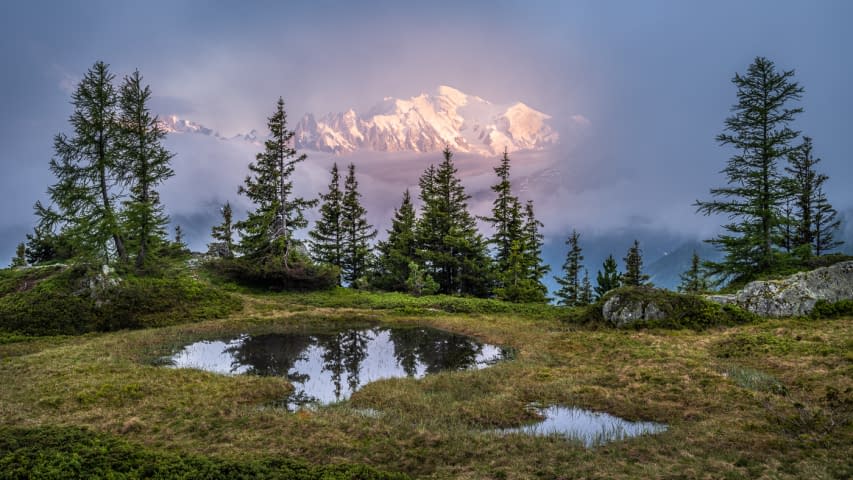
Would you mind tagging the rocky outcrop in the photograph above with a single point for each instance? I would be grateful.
(795, 295)
(623, 309)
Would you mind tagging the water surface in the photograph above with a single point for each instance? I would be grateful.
(328, 367)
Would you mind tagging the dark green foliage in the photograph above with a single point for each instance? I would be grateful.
(88, 167)
(585, 294)
(71, 452)
(570, 283)
(824, 309)
(681, 310)
(357, 233)
(449, 247)
(268, 230)
(327, 237)
(694, 279)
(273, 273)
(533, 240)
(178, 247)
(43, 246)
(20, 258)
(825, 224)
(60, 300)
(419, 283)
(759, 133)
(506, 216)
(634, 276)
(223, 233)
(397, 252)
(147, 166)
(608, 279)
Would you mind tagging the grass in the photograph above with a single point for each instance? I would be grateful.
(771, 399)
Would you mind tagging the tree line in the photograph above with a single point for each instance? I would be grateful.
(105, 205)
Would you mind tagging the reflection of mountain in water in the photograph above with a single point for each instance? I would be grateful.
(328, 367)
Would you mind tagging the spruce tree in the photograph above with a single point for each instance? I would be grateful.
(826, 224)
(506, 216)
(147, 164)
(89, 171)
(268, 230)
(608, 279)
(357, 233)
(585, 295)
(570, 285)
(760, 134)
(634, 276)
(451, 249)
(327, 237)
(224, 232)
(533, 240)
(20, 258)
(693, 280)
(179, 245)
(397, 252)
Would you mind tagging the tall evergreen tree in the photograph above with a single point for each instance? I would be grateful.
(570, 285)
(634, 276)
(759, 132)
(89, 170)
(224, 232)
(693, 280)
(533, 240)
(357, 233)
(451, 249)
(506, 216)
(327, 237)
(826, 224)
(585, 295)
(268, 231)
(398, 251)
(608, 279)
(147, 164)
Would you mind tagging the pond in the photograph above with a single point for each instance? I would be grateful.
(591, 428)
(329, 366)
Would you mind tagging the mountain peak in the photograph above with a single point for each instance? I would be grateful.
(428, 123)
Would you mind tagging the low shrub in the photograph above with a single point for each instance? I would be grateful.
(824, 309)
(271, 273)
(68, 452)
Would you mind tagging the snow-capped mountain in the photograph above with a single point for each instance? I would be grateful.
(174, 124)
(428, 123)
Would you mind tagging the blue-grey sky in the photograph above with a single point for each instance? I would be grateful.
(652, 78)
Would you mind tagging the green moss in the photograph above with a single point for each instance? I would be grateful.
(66, 452)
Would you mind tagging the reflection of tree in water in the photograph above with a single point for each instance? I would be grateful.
(343, 353)
(273, 355)
(434, 349)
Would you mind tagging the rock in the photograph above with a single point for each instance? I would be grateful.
(623, 310)
(795, 295)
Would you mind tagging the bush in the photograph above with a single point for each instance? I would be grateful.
(824, 309)
(68, 452)
(271, 273)
(63, 301)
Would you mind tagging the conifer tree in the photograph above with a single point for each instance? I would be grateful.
(585, 296)
(451, 249)
(826, 224)
(180, 245)
(20, 258)
(327, 237)
(147, 164)
(398, 252)
(268, 230)
(634, 276)
(224, 232)
(506, 216)
(533, 240)
(89, 170)
(357, 233)
(760, 134)
(693, 280)
(570, 285)
(608, 279)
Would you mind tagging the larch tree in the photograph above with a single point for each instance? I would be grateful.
(398, 251)
(224, 232)
(826, 224)
(634, 276)
(570, 283)
(759, 132)
(20, 258)
(357, 232)
(147, 166)
(327, 237)
(268, 231)
(89, 171)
